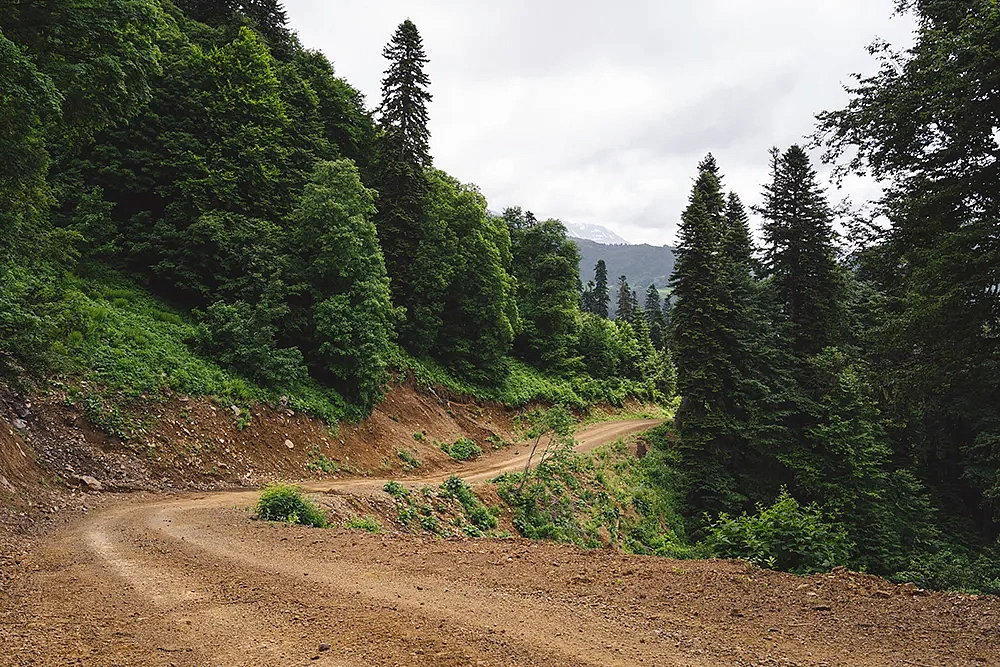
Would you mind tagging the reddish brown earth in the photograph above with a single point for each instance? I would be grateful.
(190, 579)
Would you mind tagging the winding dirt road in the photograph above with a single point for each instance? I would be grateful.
(190, 580)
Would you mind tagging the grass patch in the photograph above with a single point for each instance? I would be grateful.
(524, 385)
(369, 524)
(285, 502)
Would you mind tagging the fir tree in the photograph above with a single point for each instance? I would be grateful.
(801, 255)
(653, 311)
(602, 295)
(403, 156)
(405, 97)
(701, 342)
(626, 297)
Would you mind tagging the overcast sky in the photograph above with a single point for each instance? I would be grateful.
(598, 112)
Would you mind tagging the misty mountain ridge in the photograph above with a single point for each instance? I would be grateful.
(642, 264)
(596, 233)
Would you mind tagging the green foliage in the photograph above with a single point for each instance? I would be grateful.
(320, 463)
(925, 124)
(801, 257)
(407, 457)
(462, 308)
(396, 490)
(546, 266)
(284, 502)
(462, 449)
(242, 337)
(350, 317)
(606, 498)
(952, 567)
(478, 514)
(369, 524)
(784, 536)
(703, 343)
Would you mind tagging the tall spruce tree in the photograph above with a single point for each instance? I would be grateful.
(403, 156)
(653, 310)
(602, 295)
(801, 253)
(625, 309)
(701, 342)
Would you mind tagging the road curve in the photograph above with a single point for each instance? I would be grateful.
(191, 581)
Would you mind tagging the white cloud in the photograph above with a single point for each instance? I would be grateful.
(598, 112)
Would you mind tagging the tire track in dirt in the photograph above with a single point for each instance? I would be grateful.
(190, 580)
(202, 618)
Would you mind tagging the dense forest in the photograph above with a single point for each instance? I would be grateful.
(192, 201)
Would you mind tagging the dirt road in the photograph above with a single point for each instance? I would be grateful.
(190, 580)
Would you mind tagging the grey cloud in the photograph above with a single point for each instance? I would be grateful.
(597, 112)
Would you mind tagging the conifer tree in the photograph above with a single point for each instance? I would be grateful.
(602, 295)
(404, 153)
(625, 309)
(587, 304)
(701, 342)
(800, 254)
(653, 311)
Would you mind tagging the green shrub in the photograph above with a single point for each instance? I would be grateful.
(462, 449)
(430, 522)
(784, 536)
(396, 490)
(369, 524)
(478, 514)
(285, 502)
(408, 458)
(950, 567)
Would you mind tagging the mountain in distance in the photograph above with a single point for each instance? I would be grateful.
(595, 233)
(641, 264)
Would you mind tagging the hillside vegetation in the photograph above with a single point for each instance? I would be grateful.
(193, 202)
(201, 204)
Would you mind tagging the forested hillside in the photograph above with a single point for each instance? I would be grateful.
(196, 201)
(191, 200)
(642, 264)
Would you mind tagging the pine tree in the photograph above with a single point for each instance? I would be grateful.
(587, 304)
(405, 98)
(801, 253)
(653, 311)
(626, 296)
(403, 156)
(602, 295)
(702, 342)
